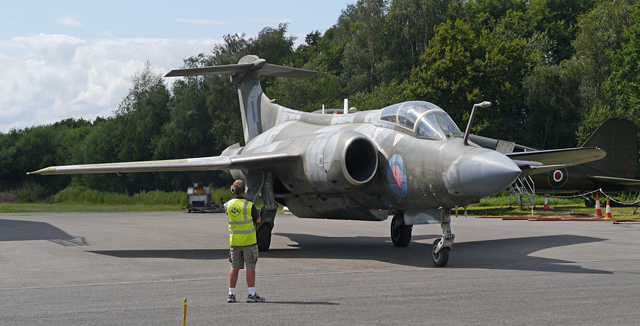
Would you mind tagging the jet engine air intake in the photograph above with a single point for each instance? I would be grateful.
(360, 160)
(340, 161)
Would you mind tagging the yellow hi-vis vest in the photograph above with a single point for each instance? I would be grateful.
(241, 229)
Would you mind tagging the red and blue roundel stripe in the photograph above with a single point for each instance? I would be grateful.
(397, 175)
(558, 178)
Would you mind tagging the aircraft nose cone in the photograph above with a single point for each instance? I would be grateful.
(482, 173)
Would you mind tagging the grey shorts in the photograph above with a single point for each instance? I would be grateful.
(240, 255)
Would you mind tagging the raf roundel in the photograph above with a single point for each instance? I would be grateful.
(397, 176)
(558, 178)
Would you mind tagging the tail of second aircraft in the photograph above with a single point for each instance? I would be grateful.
(618, 137)
(259, 113)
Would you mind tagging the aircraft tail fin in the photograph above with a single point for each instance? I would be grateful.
(259, 113)
(619, 138)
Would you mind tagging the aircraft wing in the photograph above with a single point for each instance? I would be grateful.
(632, 184)
(232, 162)
(554, 158)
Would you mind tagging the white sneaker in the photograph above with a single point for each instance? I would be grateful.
(231, 298)
(255, 298)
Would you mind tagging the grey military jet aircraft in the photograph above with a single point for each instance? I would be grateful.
(409, 159)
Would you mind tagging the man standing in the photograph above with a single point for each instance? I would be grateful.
(243, 216)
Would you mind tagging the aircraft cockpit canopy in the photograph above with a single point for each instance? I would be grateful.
(427, 120)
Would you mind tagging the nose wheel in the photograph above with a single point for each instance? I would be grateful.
(439, 258)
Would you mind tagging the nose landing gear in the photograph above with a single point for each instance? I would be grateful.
(442, 246)
(401, 232)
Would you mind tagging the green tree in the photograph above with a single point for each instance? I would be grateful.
(101, 145)
(364, 60)
(559, 20)
(409, 26)
(622, 87)
(142, 114)
(553, 101)
(601, 36)
(140, 117)
(460, 68)
(9, 172)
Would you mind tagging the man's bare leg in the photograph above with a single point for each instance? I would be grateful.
(251, 277)
(233, 277)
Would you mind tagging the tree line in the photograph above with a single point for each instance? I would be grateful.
(553, 69)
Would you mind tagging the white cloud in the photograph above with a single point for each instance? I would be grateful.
(59, 76)
(69, 20)
(201, 21)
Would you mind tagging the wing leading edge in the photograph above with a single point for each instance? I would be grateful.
(233, 162)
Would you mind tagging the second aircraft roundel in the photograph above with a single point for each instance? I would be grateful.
(397, 175)
(557, 178)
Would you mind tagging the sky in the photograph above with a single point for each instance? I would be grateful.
(76, 59)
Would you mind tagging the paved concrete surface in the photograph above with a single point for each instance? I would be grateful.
(136, 268)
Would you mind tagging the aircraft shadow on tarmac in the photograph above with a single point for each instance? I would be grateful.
(16, 230)
(503, 254)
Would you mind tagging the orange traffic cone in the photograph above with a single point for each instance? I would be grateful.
(546, 202)
(598, 209)
(608, 212)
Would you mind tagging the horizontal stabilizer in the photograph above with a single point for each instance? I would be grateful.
(234, 162)
(266, 69)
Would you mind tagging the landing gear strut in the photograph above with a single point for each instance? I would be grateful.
(263, 181)
(268, 213)
(442, 246)
(400, 232)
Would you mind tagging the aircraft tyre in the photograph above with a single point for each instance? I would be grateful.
(589, 202)
(263, 235)
(441, 258)
(400, 233)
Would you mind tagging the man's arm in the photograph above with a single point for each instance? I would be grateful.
(255, 215)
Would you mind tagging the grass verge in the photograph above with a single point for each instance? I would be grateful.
(38, 207)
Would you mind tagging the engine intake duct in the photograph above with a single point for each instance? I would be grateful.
(339, 161)
(360, 160)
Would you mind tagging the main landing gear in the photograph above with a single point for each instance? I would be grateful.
(400, 232)
(263, 181)
(401, 237)
(589, 201)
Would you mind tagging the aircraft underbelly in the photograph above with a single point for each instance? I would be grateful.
(336, 207)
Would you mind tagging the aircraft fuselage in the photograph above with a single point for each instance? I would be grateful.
(403, 173)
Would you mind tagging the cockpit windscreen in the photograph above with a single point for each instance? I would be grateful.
(415, 116)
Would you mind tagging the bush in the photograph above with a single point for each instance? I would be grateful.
(85, 195)
(30, 192)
